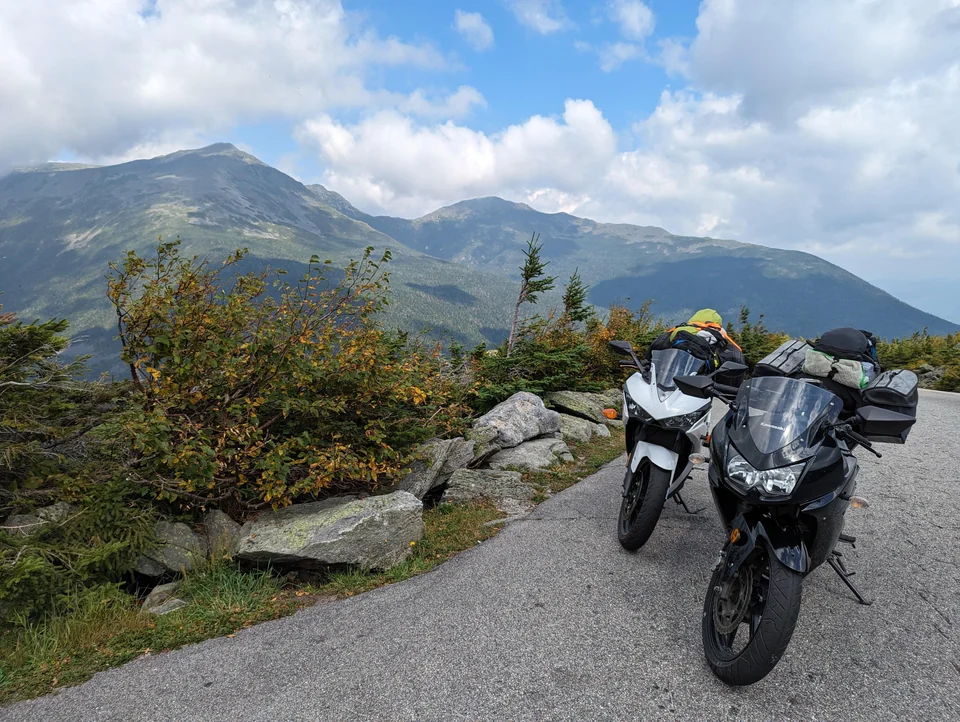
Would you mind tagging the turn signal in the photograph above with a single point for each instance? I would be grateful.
(734, 535)
(610, 413)
(858, 502)
(697, 459)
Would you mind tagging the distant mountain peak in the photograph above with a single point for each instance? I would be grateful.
(216, 149)
(335, 200)
(485, 205)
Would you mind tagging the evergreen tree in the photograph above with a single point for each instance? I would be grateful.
(533, 282)
(575, 307)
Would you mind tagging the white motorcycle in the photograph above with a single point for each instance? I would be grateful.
(665, 432)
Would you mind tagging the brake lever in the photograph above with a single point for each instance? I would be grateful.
(847, 432)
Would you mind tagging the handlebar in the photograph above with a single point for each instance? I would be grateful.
(724, 390)
(846, 431)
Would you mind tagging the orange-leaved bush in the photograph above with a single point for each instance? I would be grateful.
(252, 392)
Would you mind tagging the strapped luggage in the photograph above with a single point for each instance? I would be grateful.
(845, 356)
(786, 360)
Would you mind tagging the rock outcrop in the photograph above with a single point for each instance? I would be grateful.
(371, 533)
(180, 550)
(504, 488)
(521, 417)
(535, 454)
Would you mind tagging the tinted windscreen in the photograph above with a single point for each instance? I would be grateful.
(778, 411)
(671, 363)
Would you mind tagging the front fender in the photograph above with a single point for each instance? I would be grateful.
(659, 456)
(784, 543)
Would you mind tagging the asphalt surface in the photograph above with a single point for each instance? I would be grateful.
(551, 619)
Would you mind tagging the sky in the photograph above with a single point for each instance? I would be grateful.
(824, 126)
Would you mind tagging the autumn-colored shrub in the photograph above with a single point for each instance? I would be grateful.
(922, 349)
(254, 392)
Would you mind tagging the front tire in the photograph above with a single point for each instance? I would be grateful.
(762, 602)
(642, 504)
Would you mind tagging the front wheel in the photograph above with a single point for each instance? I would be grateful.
(748, 621)
(646, 491)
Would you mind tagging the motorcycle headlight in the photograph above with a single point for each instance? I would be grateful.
(633, 408)
(778, 482)
(685, 421)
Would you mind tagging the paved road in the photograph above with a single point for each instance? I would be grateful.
(552, 620)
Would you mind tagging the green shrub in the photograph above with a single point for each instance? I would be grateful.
(252, 393)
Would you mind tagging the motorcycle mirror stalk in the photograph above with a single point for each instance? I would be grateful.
(624, 348)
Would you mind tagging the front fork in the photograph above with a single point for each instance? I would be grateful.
(746, 533)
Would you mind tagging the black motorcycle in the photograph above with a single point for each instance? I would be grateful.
(782, 474)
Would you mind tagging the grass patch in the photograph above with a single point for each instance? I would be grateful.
(104, 629)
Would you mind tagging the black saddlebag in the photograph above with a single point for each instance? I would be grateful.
(787, 360)
(896, 391)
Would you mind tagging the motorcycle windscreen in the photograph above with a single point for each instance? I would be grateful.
(777, 412)
(670, 363)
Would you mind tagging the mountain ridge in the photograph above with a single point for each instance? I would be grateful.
(455, 270)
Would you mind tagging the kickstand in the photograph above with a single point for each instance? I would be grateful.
(679, 500)
(836, 561)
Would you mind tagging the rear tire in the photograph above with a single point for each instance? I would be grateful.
(641, 507)
(770, 615)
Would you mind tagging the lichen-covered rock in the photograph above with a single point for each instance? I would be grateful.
(436, 461)
(484, 443)
(27, 524)
(585, 405)
(158, 596)
(23, 524)
(536, 454)
(523, 416)
(180, 549)
(613, 399)
(56, 512)
(601, 430)
(928, 376)
(371, 533)
(575, 429)
(222, 533)
(504, 488)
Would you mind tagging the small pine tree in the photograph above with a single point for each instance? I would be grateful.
(533, 282)
(575, 306)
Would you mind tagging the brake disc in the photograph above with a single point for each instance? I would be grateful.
(731, 604)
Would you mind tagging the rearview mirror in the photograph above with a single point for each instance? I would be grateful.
(699, 387)
(732, 367)
(883, 425)
(623, 347)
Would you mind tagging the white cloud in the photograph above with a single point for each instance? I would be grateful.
(455, 105)
(544, 16)
(474, 29)
(98, 78)
(635, 19)
(388, 161)
(825, 126)
(636, 23)
(613, 55)
(861, 166)
(782, 55)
